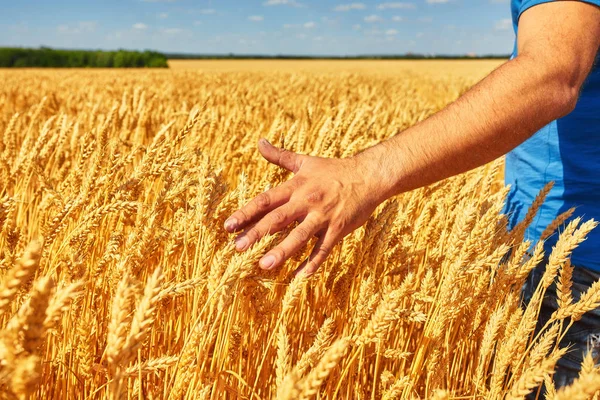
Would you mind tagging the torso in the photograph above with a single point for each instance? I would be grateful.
(566, 151)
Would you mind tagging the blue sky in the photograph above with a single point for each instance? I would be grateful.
(321, 27)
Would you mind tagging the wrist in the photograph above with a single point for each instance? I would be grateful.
(375, 165)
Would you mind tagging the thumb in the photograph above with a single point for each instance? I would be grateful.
(282, 157)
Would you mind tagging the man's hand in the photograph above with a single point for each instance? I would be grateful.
(328, 197)
(558, 42)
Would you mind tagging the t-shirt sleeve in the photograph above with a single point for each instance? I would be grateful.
(527, 4)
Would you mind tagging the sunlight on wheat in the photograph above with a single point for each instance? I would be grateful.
(117, 279)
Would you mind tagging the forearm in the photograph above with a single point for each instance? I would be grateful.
(331, 197)
(488, 121)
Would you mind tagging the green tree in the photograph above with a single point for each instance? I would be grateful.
(47, 57)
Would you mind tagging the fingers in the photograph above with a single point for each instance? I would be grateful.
(273, 222)
(259, 206)
(290, 245)
(282, 157)
(318, 255)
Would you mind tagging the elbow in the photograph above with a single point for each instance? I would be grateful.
(565, 80)
(559, 83)
(564, 96)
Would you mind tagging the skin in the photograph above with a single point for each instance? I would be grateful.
(332, 197)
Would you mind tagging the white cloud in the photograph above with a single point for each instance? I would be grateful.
(172, 31)
(309, 25)
(356, 27)
(290, 26)
(163, 15)
(79, 27)
(499, 1)
(139, 26)
(197, 23)
(256, 18)
(87, 25)
(208, 11)
(301, 36)
(419, 35)
(391, 32)
(330, 21)
(291, 3)
(372, 32)
(426, 20)
(503, 25)
(397, 18)
(158, 1)
(118, 35)
(373, 18)
(350, 6)
(385, 6)
(437, 1)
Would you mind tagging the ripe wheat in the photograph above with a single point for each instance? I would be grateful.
(117, 279)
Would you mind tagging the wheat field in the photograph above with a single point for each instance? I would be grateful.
(117, 279)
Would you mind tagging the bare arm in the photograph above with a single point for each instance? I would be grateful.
(557, 45)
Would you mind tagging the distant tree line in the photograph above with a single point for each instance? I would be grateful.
(407, 56)
(47, 57)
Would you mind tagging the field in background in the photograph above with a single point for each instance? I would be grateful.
(117, 279)
(475, 69)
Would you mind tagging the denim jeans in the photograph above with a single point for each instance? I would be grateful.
(583, 335)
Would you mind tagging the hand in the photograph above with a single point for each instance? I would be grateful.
(328, 197)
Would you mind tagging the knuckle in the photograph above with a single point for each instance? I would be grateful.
(262, 200)
(284, 155)
(315, 197)
(323, 251)
(253, 234)
(278, 217)
(311, 267)
(279, 253)
(302, 234)
(297, 181)
(241, 215)
(338, 226)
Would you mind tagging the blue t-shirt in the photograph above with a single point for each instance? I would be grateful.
(566, 151)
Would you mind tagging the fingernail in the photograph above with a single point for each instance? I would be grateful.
(264, 141)
(231, 224)
(267, 261)
(241, 243)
